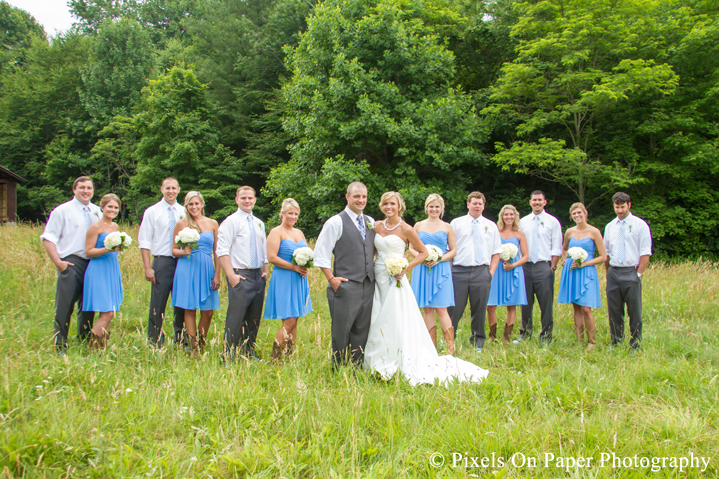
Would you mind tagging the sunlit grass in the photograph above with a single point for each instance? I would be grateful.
(132, 412)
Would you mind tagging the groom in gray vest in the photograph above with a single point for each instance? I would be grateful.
(350, 237)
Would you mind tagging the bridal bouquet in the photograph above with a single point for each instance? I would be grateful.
(578, 255)
(117, 238)
(509, 252)
(303, 257)
(187, 237)
(396, 265)
(435, 254)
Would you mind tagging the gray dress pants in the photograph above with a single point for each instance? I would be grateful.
(69, 291)
(539, 281)
(164, 267)
(471, 283)
(244, 312)
(351, 312)
(624, 287)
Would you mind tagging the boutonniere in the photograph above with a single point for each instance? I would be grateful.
(182, 215)
(485, 229)
(370, 226)
(630, 228)
(259, 224)
(96, 213)
(541, 223)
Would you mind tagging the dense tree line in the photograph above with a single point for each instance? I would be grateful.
(297, 98)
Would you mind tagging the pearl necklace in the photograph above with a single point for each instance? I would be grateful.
(392, 228)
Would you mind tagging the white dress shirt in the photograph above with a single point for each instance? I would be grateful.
(233, 240)
(463, 231)
(330, 235)
(67, 229)
(155, 228)
(637, 241)
(549, 235)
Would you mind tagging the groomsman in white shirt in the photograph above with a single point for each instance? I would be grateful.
(64, 241)
(478, 248)
(242, 253)
(544, 240)
(155, 238)
(628, 241)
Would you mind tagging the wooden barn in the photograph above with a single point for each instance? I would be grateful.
(8, 195)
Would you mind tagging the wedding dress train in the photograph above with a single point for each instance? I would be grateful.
(398, 338)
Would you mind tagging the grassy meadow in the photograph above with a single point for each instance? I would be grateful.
(134, 412)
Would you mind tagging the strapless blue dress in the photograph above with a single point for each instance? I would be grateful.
(508, 286)
(580, 285)
(102, 287)
(288, 295)
(433, 289)
(192, 286)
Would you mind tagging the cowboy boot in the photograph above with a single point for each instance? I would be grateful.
(507, 338)
(591, 335)
(289, 349)
(201, 341)
(194, 347)
(277, 350)
(104, 339)
(449, 340)
(492, 333)
(433, 335)
(93, 341)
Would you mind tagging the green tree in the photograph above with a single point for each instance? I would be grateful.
(577, 61)
(372, 98)
(39, 104)
(179, 137)
(17, 31)
(119, 67)
(237, 50)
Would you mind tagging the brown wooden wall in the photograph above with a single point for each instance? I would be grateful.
(10, 200)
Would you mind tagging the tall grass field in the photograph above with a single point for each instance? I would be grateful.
(557, 411)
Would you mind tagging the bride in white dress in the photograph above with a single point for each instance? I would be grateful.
(398, 338)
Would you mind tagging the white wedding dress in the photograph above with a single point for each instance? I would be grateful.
(398, 338)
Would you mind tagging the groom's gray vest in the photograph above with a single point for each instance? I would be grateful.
(354, 257)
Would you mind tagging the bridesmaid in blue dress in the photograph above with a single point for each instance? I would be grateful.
(579, 284)
(508, 280)
(102, 289)
(288, 296)
(433, 289)
(196, 278)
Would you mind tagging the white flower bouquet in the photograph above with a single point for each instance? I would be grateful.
(435, 255)
(303, 257)
(509, 252)
(117, 238)
(396, 265)
(188, 237)
(578, 255)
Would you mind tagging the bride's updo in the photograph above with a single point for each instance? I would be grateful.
(400, 201)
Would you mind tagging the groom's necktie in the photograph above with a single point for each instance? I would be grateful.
(621, 243)
(171, 222)
(478, 243)
(86, 213)
(535, 240)
(362, 230)
(253, 243)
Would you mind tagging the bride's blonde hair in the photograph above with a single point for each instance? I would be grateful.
(400, 201)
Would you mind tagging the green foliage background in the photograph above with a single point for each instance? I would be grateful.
(297, 98)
